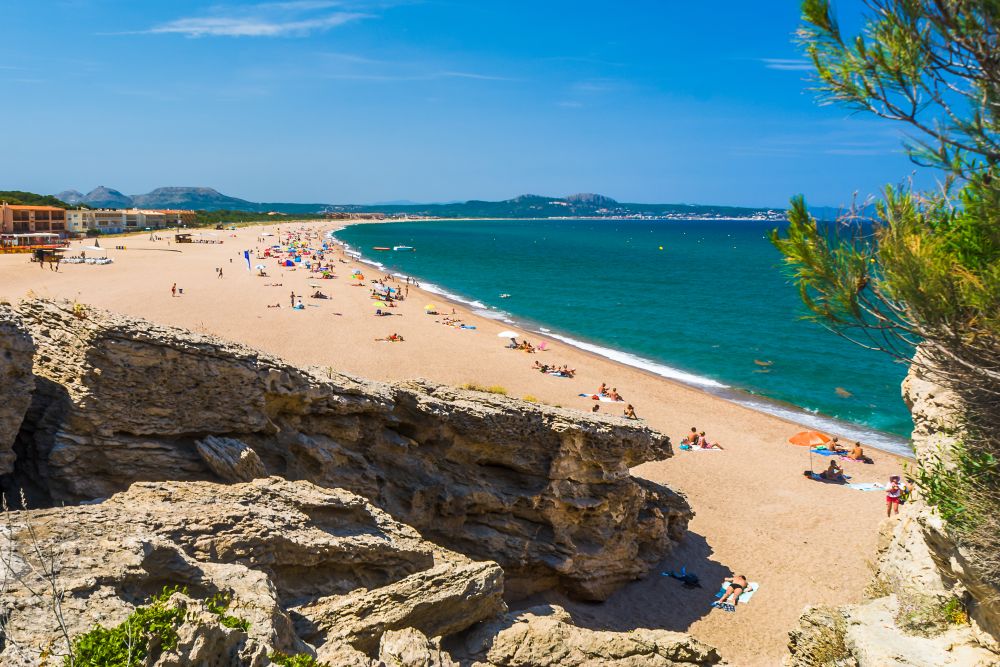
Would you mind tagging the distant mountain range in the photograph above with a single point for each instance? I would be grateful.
(524, 206)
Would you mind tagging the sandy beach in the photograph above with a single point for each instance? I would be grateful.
(805, 542)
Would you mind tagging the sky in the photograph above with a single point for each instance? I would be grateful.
(363, 101)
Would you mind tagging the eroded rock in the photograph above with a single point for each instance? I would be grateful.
(272, 545)
(544, 636)
(543, 491)
(16, 382)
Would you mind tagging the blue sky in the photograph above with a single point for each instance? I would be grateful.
(367, 100)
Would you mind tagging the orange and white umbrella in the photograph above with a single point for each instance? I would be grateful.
(809, 439)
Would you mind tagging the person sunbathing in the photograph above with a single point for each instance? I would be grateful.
(603, 390)
(857, 453)
(395, 338)
(630, 412)
(834, 446)
(277, 305)
(834, 473)
(319, 295)
(737, 585)
(705, 444)
(692, 437)
(615, 396)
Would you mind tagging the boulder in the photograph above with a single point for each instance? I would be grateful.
(868, 635)
(273, 546)
(16, 382)
(230, 459)
(543, 491)
(544, 636)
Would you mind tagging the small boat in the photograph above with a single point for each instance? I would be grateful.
(380, 248)
(505, 296)
(402, 247)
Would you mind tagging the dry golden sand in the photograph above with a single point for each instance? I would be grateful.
(805, 542)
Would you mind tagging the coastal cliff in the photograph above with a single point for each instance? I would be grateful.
(928, 604)
(341, 518)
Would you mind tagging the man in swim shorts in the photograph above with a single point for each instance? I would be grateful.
(737, 586)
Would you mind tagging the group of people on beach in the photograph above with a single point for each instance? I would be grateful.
(560, 371)
(697, 439)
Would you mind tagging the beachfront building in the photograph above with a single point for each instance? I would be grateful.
(177, 217)
(17, 219)
(116, 221)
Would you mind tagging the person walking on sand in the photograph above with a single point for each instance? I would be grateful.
(173, 290)
(293, 298)
(892, 496)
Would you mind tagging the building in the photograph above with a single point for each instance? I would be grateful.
(176, 217)
(116, 221)
(17, 219)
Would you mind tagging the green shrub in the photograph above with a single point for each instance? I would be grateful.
(927, 615)
(297, 660)
(218, 604)
(149, 629)
(128, 644)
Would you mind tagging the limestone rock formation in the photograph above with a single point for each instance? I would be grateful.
(868, 635)
(16, 382)
(924, 581)
(544, 636)
(543, 491)
(276, 547)
(230, 459)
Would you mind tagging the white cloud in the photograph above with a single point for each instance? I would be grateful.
(788, 64)
(274, 19)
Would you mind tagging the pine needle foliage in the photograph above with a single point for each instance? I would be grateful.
(923, 273)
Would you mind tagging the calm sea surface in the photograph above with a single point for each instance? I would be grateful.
(712, 308)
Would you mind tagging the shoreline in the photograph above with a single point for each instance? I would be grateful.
(889, 443)
(755, 511)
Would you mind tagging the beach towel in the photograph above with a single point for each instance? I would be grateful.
(826, 452)
(745, 596)
(815, 476)
(867, 486)
(691, 448)
(602, 399)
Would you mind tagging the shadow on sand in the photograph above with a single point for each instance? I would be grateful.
(656, 601)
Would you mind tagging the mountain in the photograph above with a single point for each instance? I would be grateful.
(591, 199)
(192, 198)
(70, 196)
(103, 197)
(582, 205)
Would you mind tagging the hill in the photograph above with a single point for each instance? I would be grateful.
(21, 198)
(583, 205)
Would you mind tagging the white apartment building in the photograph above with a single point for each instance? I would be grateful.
(114, 221)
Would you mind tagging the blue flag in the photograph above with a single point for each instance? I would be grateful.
(246, 255)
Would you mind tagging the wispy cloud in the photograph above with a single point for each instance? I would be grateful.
(272, 19)
(788, 64)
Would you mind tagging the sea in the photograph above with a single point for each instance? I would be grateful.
(703, 302)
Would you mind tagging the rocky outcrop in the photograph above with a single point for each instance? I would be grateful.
(929, 606)
(286, 553)
(868, 635)
(545, 637)
(543, 491)
(16, 382)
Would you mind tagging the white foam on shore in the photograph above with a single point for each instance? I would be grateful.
(796, 414)
(635, 361)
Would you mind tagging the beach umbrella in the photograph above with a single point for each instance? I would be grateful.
(260, 267)
(507, 334)
(809, 439)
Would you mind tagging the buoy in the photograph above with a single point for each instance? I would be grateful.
(661, 247)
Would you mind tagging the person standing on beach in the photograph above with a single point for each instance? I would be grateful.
(892, 496)
(293, 298)
(173, 290)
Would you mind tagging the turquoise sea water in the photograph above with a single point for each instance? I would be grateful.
(704, 309)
